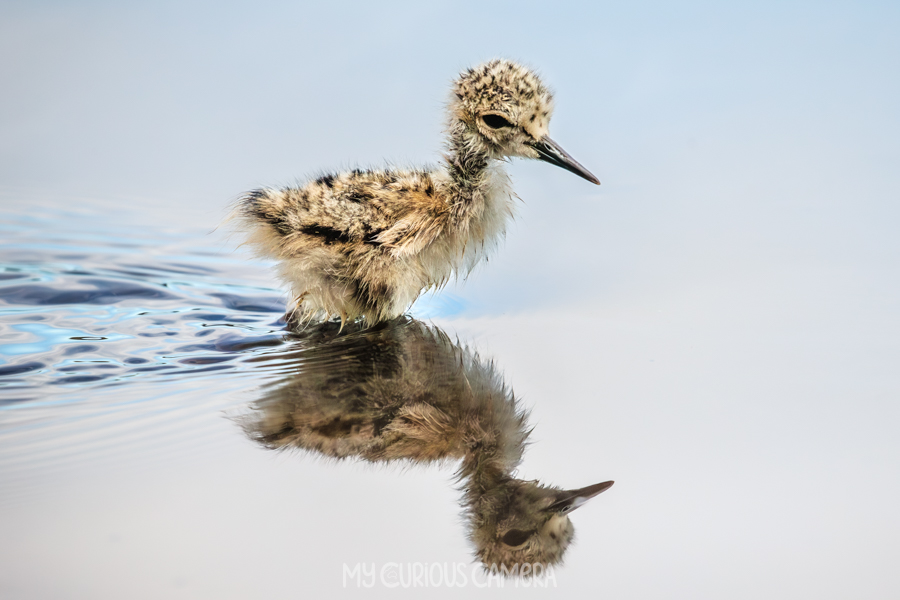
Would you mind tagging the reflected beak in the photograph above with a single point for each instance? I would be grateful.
(550, 152)
(569, 500)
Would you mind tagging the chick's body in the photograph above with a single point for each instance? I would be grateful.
(370, 242)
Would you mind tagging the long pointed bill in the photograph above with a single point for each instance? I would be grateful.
(550, 152)
(571, 499)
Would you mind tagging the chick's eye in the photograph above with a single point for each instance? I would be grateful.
(516, 537)
(495, 121)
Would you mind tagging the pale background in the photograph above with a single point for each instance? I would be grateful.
(715, 327)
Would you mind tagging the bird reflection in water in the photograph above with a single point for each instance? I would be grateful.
(403, 391)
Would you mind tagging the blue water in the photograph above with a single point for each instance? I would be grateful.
(81, 310)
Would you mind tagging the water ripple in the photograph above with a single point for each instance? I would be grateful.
(84, 309)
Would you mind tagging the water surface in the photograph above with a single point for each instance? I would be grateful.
(747, 419)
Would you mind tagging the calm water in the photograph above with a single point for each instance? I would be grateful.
(749, 422)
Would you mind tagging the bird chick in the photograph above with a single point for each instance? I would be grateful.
(367, 243)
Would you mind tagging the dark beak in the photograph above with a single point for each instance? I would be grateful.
(550, 152)
(569, 500)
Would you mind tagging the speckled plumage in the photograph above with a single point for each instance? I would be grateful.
(403, 391)
(367, 243)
